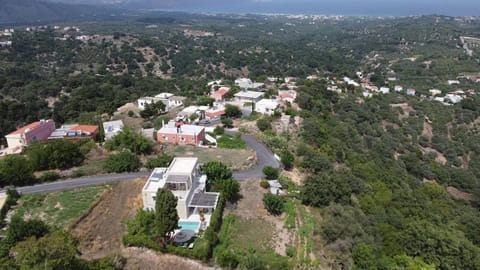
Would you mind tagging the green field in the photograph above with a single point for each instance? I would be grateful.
(250, 237)
(236, 159)
(59, 209)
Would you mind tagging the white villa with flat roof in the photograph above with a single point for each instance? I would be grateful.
(112, 128)
(170, 101)
(249, 96)
(184, 179)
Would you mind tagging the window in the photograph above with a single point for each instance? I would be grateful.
(165, 138)
(154, 198)
(182, 139)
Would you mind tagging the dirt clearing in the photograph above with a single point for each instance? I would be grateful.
(101, 231)
(139, 258)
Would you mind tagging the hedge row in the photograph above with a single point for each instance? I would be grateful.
(12, 198)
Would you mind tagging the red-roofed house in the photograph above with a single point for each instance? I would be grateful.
(220, 94)
(37, 131)
(287, 95)
(82, 131)
(74, 132)
(215, 113)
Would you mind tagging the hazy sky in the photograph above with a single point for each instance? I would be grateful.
(347, 7)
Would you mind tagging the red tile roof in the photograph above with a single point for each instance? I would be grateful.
(22, 130)
(286, 95)
(84, 128)
(216, 113)
(222, 92)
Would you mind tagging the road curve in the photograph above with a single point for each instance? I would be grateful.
(264, 158)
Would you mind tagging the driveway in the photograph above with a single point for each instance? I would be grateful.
(265, 157)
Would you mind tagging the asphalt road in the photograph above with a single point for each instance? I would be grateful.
(264, 158)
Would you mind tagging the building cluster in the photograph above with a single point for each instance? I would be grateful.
(5, 34)
(369, 89)
(252, 95)
(44, 130)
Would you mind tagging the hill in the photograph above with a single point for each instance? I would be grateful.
(33, 11)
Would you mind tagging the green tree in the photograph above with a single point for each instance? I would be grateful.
(205, 101)
(230, 189)
(162, 160)
(124, 161)
(153, 110)
(271, 173)
(15, 170)
(56, 250)
(264, 124)
(129, 139)
(166, 216)
(19, 229)
(273, 203)
(287, 159)
(322, 189)
(227, 122)
(232, 111)
(216, 172)
(219, 130)
(56, 154)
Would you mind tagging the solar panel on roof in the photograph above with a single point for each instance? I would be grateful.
(204, 200)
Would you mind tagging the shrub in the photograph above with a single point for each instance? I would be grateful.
(49, 176)
(291, 252)
(130, 140)
(227, 259)
(227, 122)
(251, 262)
(12, 198)
(273, 203)
(125, 161)
(264, 124)
(230, 189)
(219, 130)
(264, 184)
(271, 173)
(229, 142)
(287, 159)
(160, 161)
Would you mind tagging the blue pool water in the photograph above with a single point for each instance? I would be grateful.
(189, 225)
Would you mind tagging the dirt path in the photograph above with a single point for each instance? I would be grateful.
(101, 231)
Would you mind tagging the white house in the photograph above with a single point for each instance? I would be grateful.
(435, 92)
(112, 128)
(266, 106)
(398, 88)
(170, 101)
(184, 179)
(249, 96)
(453, 98)
(452, 82)
(384, 90)
(411, 92)
(246, 83)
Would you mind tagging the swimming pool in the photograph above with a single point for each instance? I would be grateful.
(189, 225)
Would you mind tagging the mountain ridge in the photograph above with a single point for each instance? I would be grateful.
(35, 11)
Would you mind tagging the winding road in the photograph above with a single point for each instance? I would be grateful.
(265, 157)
